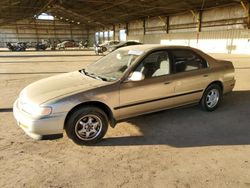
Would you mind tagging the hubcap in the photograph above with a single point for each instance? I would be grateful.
(88, 127)
(212, 98)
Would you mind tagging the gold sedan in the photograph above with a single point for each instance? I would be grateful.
(128, 82)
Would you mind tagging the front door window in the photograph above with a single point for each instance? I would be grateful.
(154, 65)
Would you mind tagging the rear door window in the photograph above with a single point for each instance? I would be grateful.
(186, 60)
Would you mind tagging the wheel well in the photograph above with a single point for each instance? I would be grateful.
(219, 83)
(97, 104)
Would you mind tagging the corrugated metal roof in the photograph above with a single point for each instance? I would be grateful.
(101, 13)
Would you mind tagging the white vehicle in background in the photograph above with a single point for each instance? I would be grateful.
(66, 44)
(100, 48)
(84, 44)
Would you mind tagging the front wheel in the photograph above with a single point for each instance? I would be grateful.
(87, 125)
(211, 97)
(104, 49)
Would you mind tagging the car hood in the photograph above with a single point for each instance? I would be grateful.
(104, 44)
(57, 86)
(116, 45)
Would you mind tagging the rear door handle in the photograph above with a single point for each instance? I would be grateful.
(205, 75)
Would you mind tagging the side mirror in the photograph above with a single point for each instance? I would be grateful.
(136, 76)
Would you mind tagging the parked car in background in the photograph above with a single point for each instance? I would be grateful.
(101, 48)
(106, 45)
(42, 45)
(128, 82)
(39, 46)
(122, 44)
(18, 46)
(84, 44)
(66, 44)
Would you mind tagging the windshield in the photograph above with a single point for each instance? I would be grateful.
(112, 66)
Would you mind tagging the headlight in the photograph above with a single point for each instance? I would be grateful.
(35, 110)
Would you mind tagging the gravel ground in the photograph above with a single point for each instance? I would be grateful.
(183, 147)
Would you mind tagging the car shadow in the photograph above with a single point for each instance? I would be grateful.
(14, 73)
(192, 127)
(46, 55)
(44, 62)
(6, 110)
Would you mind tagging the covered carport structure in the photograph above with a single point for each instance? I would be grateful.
(187, 22)
(183, 147)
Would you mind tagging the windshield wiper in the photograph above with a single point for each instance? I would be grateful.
(92, 75)
(100, 78)
(82, 71)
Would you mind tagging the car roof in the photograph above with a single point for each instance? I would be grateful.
(125, 42)
(68, 41)
(149, 47)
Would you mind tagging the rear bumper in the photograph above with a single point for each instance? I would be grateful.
(228, 86)
(36, 128)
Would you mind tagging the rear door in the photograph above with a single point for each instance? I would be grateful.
(190, 75)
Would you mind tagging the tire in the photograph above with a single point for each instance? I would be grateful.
(104, 49)
(87, 125)
(211, 98)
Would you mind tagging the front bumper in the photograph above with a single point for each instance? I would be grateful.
(38, 127)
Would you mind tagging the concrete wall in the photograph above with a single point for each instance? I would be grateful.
(218, 30)
(223, 30)
(37, 30)
(231, 41)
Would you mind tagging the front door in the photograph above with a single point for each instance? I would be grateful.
(151, 93)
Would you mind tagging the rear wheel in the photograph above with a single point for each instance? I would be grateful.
(211, 97)
(87, 125)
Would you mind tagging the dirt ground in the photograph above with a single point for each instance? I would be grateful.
(183, 147)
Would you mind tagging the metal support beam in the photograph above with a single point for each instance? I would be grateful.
(17, 33)
(99, 37)
(44, 8)
(127, 29)
(103, 35)
(113, 32)
(167, 24)
(71, 34)
(37, 37)
(88, 35)
(82, 37)
(248, 17)
(246, 7)
(199, 20)
(54, 25)
(197, 16)
(106, 8)
(144, 26)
